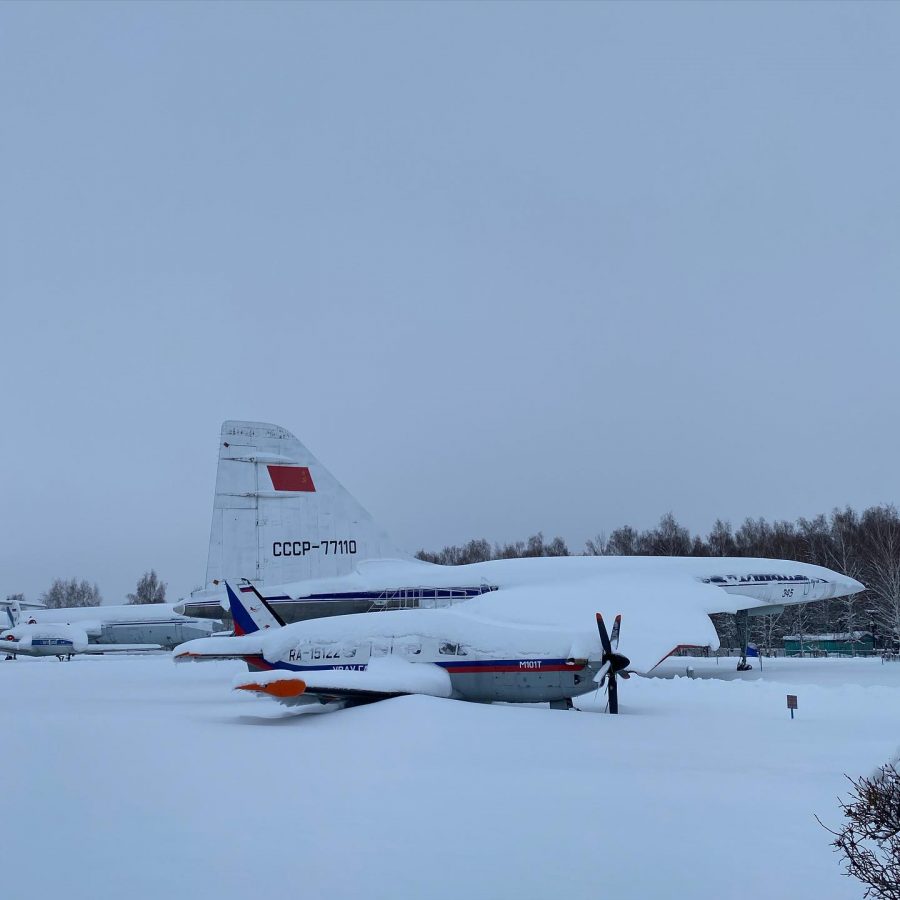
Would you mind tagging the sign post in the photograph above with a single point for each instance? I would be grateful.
(792, 703)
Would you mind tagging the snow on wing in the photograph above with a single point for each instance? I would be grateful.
(659, 612)
(219, 648)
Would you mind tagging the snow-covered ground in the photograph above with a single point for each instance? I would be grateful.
(131, 777)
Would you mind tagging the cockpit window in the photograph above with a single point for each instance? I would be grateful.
(448, 649)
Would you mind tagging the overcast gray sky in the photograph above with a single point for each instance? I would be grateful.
(501, 267)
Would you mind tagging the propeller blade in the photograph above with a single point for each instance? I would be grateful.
(612, 662)
(604, 635)
(612, 693)
(614, 635)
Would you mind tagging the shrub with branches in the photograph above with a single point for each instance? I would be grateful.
(869, 839)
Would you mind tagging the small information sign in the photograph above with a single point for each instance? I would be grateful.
(792, 703)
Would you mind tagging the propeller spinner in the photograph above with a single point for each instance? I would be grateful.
(612, 663)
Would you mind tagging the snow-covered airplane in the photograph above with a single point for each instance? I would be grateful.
(282, 519)
(460, 653)
(316, 553)
(30, 638)
(62, 632)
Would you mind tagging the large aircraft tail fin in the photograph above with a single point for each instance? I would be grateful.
(250, 611)
(280, 516)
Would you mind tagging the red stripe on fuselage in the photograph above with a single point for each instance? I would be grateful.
(488, 669)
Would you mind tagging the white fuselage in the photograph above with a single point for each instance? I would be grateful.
(485, 660)
(43, 640)
(151, 623)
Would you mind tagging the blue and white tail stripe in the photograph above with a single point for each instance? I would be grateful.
(253, 615)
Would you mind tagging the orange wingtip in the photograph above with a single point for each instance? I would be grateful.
(286, 687)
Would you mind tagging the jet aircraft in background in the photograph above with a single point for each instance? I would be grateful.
(30, 638)
(284, 521)
(62, 632)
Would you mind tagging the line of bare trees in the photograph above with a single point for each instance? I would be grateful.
(64, 593)
(864, 545)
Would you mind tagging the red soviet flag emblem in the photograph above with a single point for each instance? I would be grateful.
(291, 478)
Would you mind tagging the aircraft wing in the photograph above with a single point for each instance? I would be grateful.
(97, 649)
(217, 648)
(383, 679)
(660, 611)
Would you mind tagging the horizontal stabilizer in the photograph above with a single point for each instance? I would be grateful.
(216, 648)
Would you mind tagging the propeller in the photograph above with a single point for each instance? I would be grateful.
(612, 663)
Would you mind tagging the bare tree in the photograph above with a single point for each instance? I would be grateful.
(667, 539)
(624, 541)
(842, 552)
(556, 547)
(720, 540)
(801, 620)
(509, 551)
(870, 837)
(62, 594)
(766, 629)
(881, 534)
(149, 589)
(480, 551)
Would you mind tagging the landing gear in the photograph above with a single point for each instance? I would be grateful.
(562, 704)
(742, 620)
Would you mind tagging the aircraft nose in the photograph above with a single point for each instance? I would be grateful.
(854, 586)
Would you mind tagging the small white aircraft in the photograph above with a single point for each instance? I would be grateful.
(39, 631)
(311, 549)
(31, 638)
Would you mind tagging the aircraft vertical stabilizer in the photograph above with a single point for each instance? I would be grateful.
(13, 611)
(280, 516)
(250, 612)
